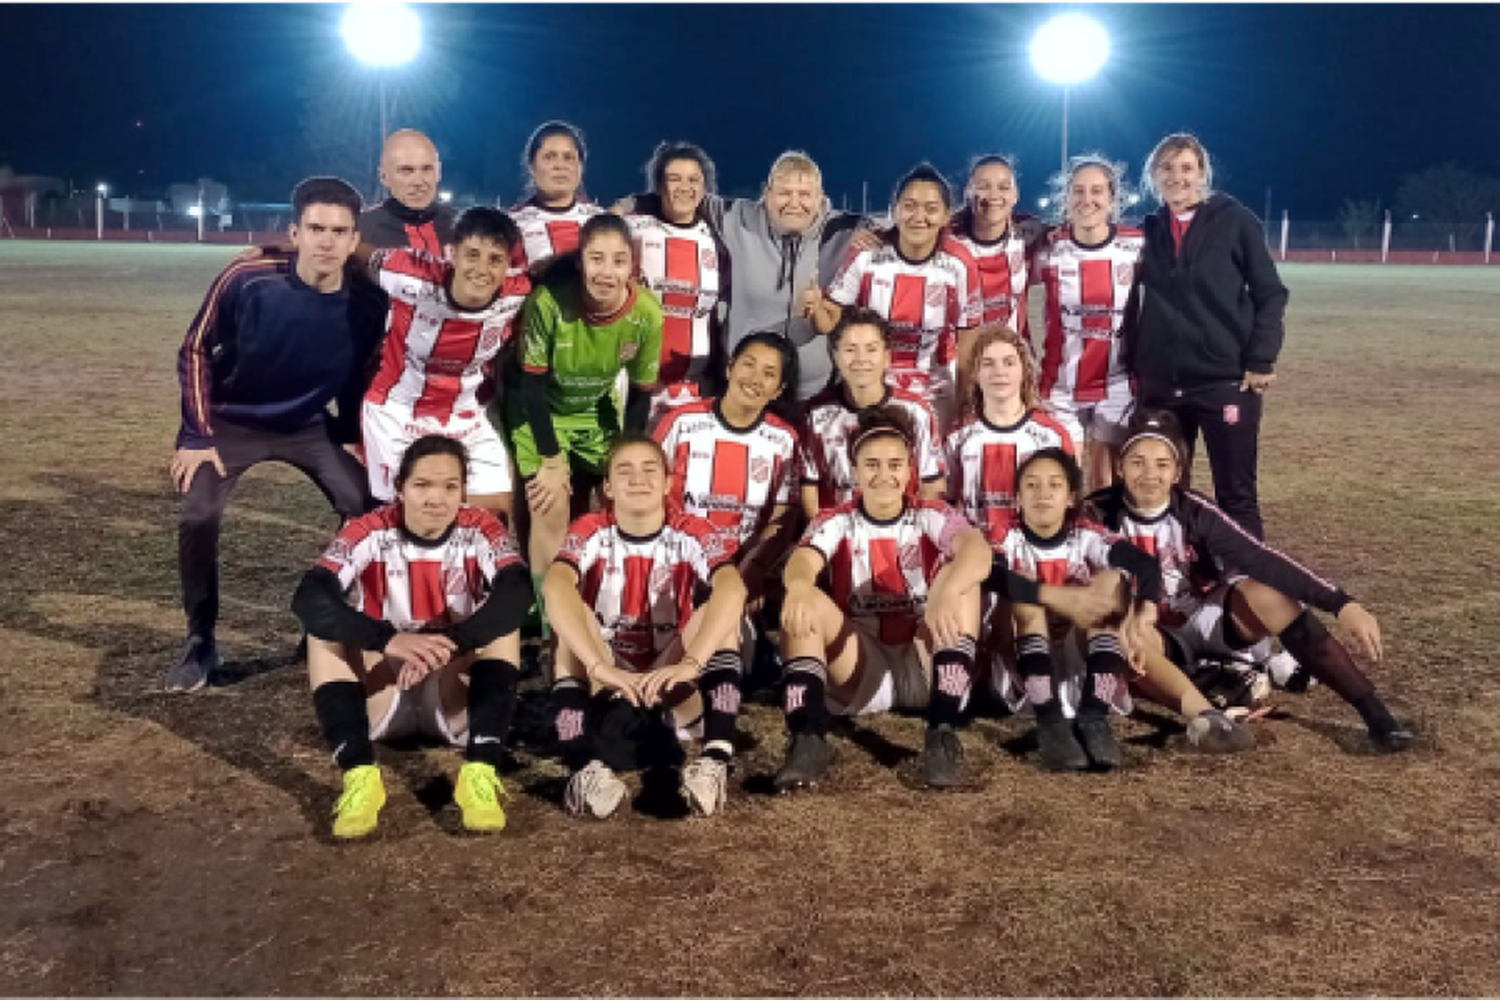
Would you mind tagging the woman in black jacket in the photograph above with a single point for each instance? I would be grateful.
(1204, 326)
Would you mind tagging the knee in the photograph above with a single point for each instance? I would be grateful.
(200, 513)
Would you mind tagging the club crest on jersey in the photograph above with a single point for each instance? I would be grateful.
(760, 469)
(1124, 274)
(661, 578)
(910, 557)
(629, 350)
(708, 260)
(339, 551)
(455, 581)
(936, 294)
(491, 337)
(1017, 261)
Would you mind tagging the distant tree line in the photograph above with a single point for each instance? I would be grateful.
(1446, 195)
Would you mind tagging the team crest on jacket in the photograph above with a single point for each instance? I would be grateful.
(629, 350)
(1231, 414)
(760, 469)
(1124, 274)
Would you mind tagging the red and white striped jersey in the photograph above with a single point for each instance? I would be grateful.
(982, 459)
(1070, 559)
(828, 423)
(1087, 290)
(642, 589)
(414, 584)
(925, 302)
(731, 478)
(1004, 274)
(434, 356)
(687, 269)
(879, 571)
(1163, 537)
(547, 232)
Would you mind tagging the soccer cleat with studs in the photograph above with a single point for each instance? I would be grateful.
(808, 758)
(357, 810)
(595, 790)
(478, 797)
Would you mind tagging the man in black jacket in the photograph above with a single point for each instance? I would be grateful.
(412, 216)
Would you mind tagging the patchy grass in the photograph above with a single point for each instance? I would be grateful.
(151, 844)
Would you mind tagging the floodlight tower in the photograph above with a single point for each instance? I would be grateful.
(1066, 50)
(382, 36)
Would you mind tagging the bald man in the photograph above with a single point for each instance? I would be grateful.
(412, 216)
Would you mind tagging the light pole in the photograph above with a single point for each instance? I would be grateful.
(382, 36)
(1069, 49)
(102, 190)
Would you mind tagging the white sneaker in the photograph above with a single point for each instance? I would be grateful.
(705, 785)
(596, 790)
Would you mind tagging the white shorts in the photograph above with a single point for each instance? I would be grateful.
(890, 677)
(418, 712)
(1201, 636)
(1103, 421)
(1068, 670)
(389, 431)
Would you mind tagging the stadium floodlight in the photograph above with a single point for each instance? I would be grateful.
(102, 189)
(382, 34)
(1068, 50)
(445, 196)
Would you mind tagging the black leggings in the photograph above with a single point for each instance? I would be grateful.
(1230, 422)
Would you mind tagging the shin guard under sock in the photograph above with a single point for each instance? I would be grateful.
(492, 706)
(1325, 658)
(340, 706)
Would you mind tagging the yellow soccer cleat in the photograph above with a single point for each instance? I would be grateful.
(358, 809)
(478, 795)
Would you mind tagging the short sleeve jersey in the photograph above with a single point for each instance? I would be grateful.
(982, 459)
(547, 232)
(730, 477)
(415, 584)
(642, 587)
(828, 423)
(1003, 277)
(582, 355)
(1088, 287)
(435, 353)
(683, 265)
(925, 302)
(879, 571)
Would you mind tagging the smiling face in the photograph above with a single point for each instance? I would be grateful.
(682, 191)
(325, 237)
(793, 199)
(608, 261)
(882, 472)
(755, 379)
(1091, 202)
(409, 167)
(921, 215)
(862, 357)
(1149, 470)
(557, 169)
(1180, 179)
(431, 495)
(636, 482)
(1044, 496)
(479, 266)
(993, 194)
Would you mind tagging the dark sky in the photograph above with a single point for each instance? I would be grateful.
(1317, 102)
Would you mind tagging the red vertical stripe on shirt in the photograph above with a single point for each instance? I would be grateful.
(730, 479)
(563, 235)
(677, 324)
(372, 591)
(997, 467)
(886, 577)
(457, 341)
(425, 578)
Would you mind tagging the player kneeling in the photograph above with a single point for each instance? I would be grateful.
(1051, 544)
(647, 605)
(1223, 590)
(437, 592)
(899, 627)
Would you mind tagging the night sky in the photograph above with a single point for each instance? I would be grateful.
(1317, 102)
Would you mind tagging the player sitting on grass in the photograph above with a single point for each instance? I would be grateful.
(436, 593)
(732, 459)
(646, 604)
(448, 321)
(1051, 544)
(897, 626)
(1223, 589)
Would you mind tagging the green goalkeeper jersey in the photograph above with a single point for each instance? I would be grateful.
(582, 358)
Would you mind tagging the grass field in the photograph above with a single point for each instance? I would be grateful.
(156, 844)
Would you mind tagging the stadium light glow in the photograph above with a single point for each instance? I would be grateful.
(195, 211)
(102, 189)
(1068, 50)
(382, 34)
(445, 196)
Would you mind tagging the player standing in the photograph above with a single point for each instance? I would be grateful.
(1000, 240)
(647, 604)
(275, 341)
(413, 216)
(861, 346)
(448, 320)
(552, 216)
(427, 642)
(1088, 265)
(924, 284)
(685, 263)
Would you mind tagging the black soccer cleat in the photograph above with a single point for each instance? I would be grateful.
(941, 764)
(1215, 732)
(808, 758)
(1059, 747)
(199, 661)
(1098, 739)
(1392, 738)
